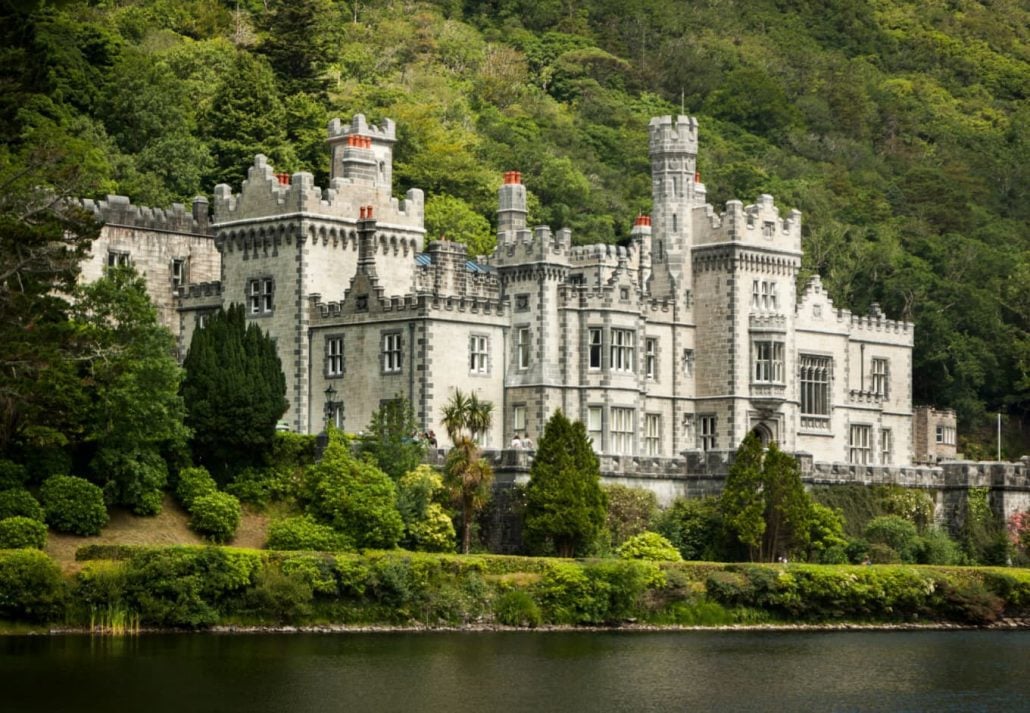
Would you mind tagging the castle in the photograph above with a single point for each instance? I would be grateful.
(682, 342)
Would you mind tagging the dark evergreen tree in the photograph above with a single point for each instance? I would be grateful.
(297, 42)
(565, 505)
(234, 392)
(246, 118)
(764, 503)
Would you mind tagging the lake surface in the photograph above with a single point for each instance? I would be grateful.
(521, 671)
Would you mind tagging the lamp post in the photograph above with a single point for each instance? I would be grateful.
(330, 405)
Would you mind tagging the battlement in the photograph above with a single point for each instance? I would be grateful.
(875, 321)
(267, 194)
(672, 135)
(359, 126)
(119, 210)
(538, 245)
(601, 254)
(407, 306)
(758, 224)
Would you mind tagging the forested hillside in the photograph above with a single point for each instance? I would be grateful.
(900, 129)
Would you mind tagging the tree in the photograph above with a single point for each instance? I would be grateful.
(297, 42)
(449, 218)
(354, 497)
(469, 476)
(764, 503)
(565, 505)
(427, 525)
(133, 412)
(234, 392)
(389, 438)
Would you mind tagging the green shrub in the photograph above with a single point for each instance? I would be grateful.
(134, 478)
(261, 486)
(428, 527)
(935, 547)
(279, 597)
(895, 532)
(694, 527)
(44, 462)
(216, 516)
(649, 546)
(187, 586)
(194, 483)
(31, 586)
(18, 532)
(301, 533)
(19, 502)
(73, 505)
(630, 512)
(12, 475)
(517, 608)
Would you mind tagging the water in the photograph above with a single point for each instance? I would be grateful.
(516, 671)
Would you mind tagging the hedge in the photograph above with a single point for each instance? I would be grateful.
(197, 587)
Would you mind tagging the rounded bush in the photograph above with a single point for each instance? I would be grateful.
(31, 585)
(301, 533)
(194, 483)
(216, 516)
(73, 505)
(20, 532)
(12, 475)
(18, 502)
(896, 533)
(649, 546)
(517, 608)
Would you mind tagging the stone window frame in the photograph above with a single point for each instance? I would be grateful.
(179, 272)
(652, 434)
(595, 349)
(479, 354)
(621, 429)
(518, 425)
(391, 351)
(880, 377)
(651, 358)
(624, 294)
(764, 297)
(261, 296)
(767, 361)
(815, 386)
(944, 434)
(860, 444)
(886, 446)
(598, 411)
(334, 361)
(522, 302)
(118, 258)
(523, 344)
(707, 432)
(622, 351)
(688, 362)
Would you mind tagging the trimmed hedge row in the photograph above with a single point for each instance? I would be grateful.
(196, 587)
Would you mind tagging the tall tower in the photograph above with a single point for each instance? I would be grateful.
(673, 151)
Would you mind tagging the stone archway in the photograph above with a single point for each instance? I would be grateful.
(763, 434)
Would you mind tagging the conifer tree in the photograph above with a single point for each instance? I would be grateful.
(565, 505)
(234, 392)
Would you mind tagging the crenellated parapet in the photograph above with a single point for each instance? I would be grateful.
(120, 211)
(406, 307)
(201, 290)
(758, 225)
(538, 245)
(445, 269)
(267, 195)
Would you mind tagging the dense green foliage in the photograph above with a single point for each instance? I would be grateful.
(193, 587)
(565, 505)
(427, 527)
(630, 512)
(898, 129)
(301, 533)
(73, 505)
(18, 502)
(216, 516)
(352, 496)
(649, 546)
(389, 438)
(194, 483)
(234, 392)
(17, 532)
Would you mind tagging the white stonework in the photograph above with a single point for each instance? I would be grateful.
(684, 341)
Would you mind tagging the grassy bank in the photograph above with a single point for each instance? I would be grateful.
(121, 589)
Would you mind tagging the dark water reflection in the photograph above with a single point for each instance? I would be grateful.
(568, 672)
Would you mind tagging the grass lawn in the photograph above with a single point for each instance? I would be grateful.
(169, 527)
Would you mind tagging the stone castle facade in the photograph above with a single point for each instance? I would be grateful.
(682, 342)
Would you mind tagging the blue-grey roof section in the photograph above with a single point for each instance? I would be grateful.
(423, 260)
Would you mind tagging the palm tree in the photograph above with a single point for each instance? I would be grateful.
(466, 419)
